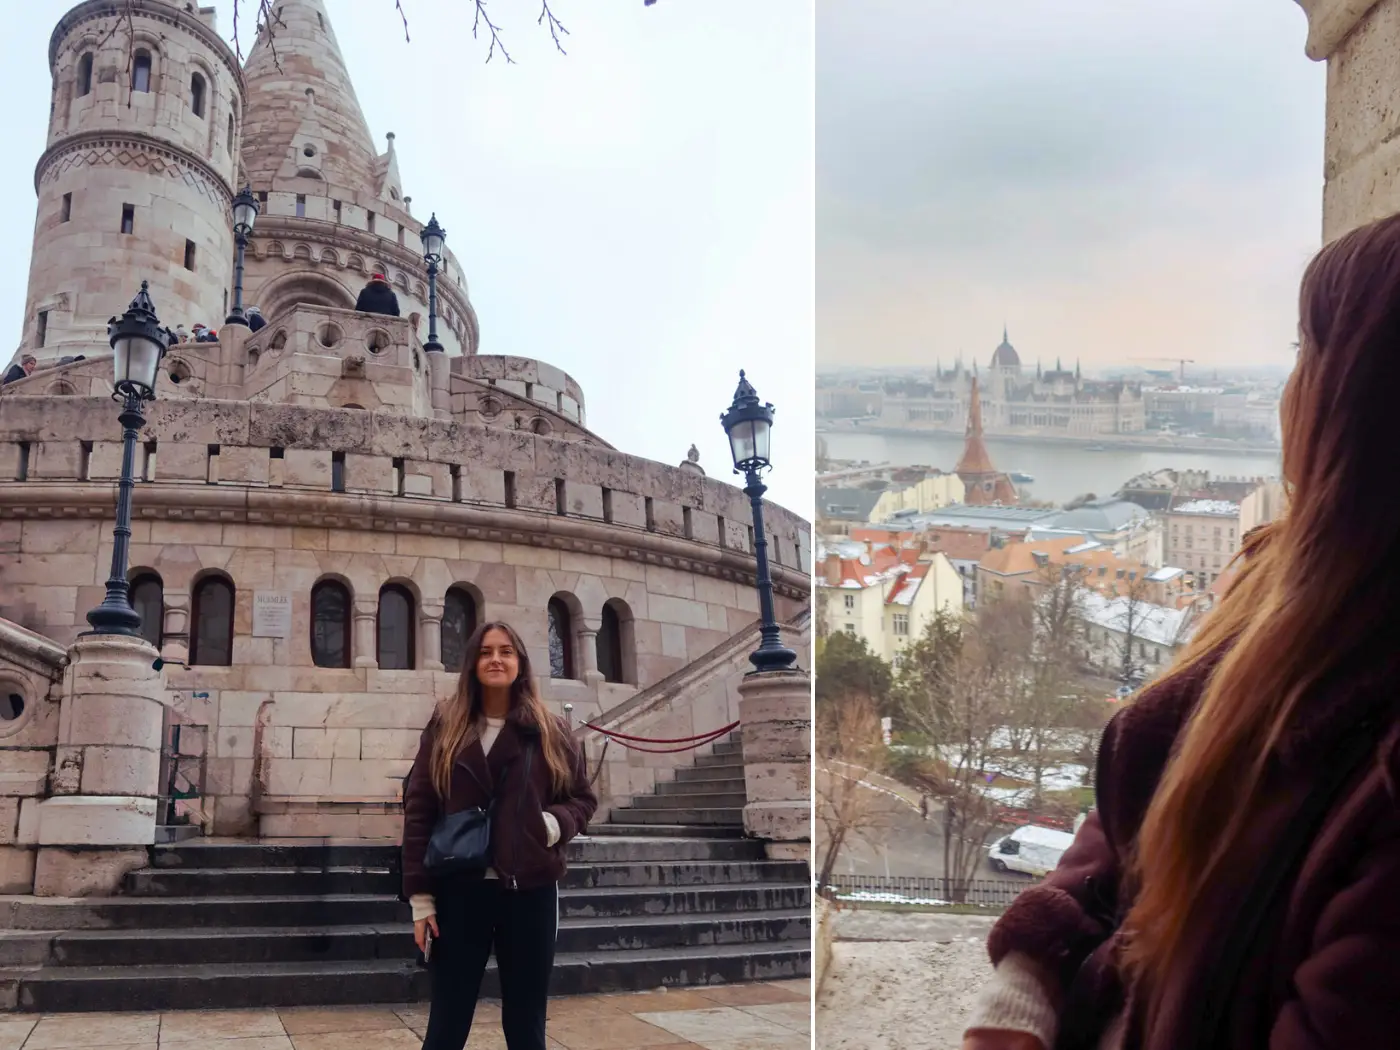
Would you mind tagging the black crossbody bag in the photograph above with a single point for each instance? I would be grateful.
(461, 841)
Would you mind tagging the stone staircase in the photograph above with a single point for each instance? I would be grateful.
(667, 892)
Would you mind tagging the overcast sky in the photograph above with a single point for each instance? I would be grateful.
(1110, 179)
(638, 213)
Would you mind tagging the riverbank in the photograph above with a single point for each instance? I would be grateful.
(1085, 442)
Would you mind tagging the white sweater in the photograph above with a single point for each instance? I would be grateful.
(423, 903)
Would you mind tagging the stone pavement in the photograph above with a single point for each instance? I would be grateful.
(771, 1016)
(901, 981)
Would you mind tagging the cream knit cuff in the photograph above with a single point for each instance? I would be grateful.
(1017, 999)
(423, 906)
(551, 829)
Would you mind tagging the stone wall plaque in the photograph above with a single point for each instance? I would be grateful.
(272, 614)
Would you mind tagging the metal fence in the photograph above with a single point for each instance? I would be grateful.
(897, 889)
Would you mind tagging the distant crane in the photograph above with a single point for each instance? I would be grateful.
(1182, 361)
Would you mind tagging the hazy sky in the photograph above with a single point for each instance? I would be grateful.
(1111, 179)
(638, 213)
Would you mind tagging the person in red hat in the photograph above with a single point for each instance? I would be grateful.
(378, 298)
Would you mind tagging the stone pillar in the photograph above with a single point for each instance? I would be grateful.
(1358, 39)
(430, 628)
(175, 640)
(439, 376)
(588, 652)
(775, 716)
(101, 815)
(366, 645)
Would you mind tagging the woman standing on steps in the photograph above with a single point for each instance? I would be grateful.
(495, 762)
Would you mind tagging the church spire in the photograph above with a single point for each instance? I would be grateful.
(302, 117)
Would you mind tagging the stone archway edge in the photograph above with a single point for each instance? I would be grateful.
(394, 514)
(1330, 22)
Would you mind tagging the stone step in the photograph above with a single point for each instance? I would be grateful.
(598, 847)
(259, 984)
(194, 947)
(283, 881)
(703, 786)
(625, 829)
(722, 761)
(691, 801)
(730, 745)
(162, 913)
(732, 816)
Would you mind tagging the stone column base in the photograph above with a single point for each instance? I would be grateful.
(780, 822)
(789, 851)
(16, 869)
(84, 871)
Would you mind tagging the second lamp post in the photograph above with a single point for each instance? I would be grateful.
(434, 236)
(749, 423)
(245, 213)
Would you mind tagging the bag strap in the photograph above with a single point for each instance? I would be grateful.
(1269, 894)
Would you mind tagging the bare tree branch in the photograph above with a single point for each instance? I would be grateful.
(555, 26)
(482, 18)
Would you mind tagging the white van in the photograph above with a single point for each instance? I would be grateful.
(1029, 849)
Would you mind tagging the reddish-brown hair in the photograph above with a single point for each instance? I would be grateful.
(1317, 591)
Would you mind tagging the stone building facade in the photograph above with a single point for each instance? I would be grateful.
(324, 510)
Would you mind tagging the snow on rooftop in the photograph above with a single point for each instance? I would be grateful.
(1152, 623)
(1167, 572)
(1219, 507)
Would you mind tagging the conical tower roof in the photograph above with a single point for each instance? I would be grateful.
(975, 459)
(302, 116)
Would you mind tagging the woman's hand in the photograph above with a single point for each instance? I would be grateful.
(999, 1039)
(420, 931)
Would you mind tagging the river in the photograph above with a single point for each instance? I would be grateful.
(1061, 472)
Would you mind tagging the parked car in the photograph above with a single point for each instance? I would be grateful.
(1031, 850)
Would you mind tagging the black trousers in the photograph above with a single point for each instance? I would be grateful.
(521, 925)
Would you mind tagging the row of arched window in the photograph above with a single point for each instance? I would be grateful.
(396, 627)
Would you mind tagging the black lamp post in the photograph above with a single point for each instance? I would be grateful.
(434, 236)
(245, 213)
(138, 343)
(748, 424)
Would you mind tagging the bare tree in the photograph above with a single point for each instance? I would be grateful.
(1131, 611)
(849, 747)
(1051, 696)
(958, 699)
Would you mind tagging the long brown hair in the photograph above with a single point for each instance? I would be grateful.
(1316, 592)
(460, 719)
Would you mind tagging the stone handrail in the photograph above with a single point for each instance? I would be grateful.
(644, 701)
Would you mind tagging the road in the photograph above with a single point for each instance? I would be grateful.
(906, 844)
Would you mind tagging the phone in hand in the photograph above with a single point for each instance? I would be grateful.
(427, 943)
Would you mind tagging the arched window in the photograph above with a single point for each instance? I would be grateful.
(148, 599)
(459, 620)
(610, 647)
(197, 94)
(561, 640)
(228, 144)
(85, 74)
(330, 624)
(394, 629)
(211, 633)
(141, 71)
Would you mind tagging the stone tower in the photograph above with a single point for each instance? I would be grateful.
(983, 482)
(333, 209)
(138, 175)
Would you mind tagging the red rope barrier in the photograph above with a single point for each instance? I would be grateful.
(688, 743)
(702, 737)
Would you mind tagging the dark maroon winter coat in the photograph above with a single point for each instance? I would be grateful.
(1327, 978)
(518, 851)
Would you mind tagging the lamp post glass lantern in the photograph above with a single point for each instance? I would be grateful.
(434, 237)
(138, 343)
(749, 423)
(245, 214)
